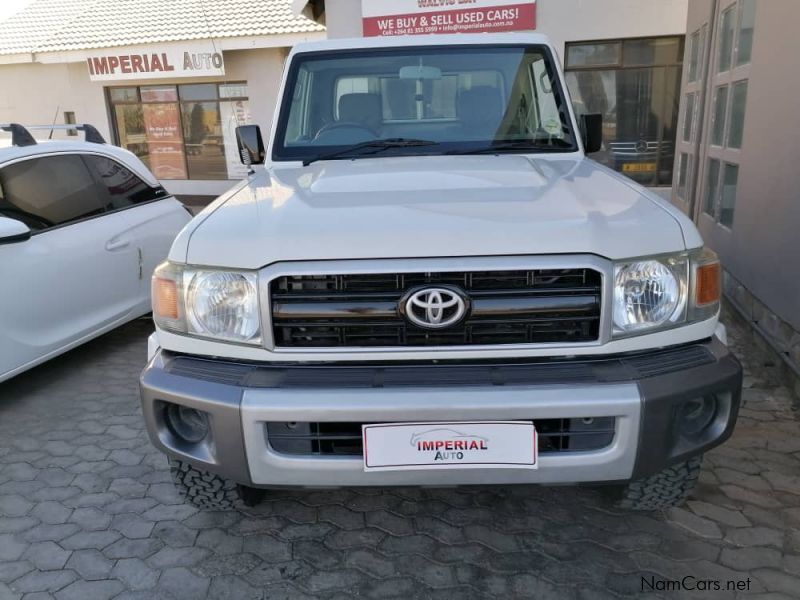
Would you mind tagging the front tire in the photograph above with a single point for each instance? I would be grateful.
(666, 489)
(208, 490)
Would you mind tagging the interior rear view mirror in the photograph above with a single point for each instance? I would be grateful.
(420, 72)
(12, 231)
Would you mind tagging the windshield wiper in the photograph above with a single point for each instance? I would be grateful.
(496, 147)
(376, 145)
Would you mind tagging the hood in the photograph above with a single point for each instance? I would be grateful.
(433, 206)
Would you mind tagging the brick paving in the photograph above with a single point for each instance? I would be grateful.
(87, 511)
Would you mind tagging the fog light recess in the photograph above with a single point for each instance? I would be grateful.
(188, 424)
(695, 415)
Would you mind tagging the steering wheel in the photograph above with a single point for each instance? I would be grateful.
(344, 125)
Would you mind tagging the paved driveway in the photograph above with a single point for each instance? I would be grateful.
(87, 512)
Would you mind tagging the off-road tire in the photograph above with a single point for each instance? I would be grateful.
(208, 490)
(667, 488)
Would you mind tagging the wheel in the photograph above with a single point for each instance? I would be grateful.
(208, 490)
(667, 488)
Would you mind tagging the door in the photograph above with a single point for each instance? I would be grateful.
(78, 273)
(153, 217)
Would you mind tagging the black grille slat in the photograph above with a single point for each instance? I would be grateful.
(509, 307)
(329, 439)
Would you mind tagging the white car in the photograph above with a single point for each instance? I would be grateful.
(429, 257)
(83, 224)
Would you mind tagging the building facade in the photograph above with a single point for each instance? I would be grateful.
(738, 141)
(169, 81)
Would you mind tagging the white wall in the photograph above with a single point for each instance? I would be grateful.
(582, 20)
(562, 20)
(36, 94)
(32, 93)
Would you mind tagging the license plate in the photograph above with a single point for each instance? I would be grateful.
(639, 167)
(458, 445)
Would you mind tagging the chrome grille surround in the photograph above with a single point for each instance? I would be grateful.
(416, 269)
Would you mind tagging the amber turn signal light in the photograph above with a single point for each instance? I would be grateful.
(708, 284)
(165, 298)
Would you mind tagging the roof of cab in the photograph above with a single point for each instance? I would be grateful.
(452, 39)
(9, 153)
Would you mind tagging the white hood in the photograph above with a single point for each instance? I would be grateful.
(433, 206)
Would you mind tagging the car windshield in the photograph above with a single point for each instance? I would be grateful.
(443, 100)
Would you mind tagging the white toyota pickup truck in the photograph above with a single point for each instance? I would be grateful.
(429, 283)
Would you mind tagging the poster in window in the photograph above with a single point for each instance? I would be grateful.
(233, 114)
(162, 125)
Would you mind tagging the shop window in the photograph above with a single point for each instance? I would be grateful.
(712, 186)
(694, 56)
(738, 107)
(688, 118)
(725, 48)
(69, 119)
(683, 168)
(183, 131)
(594, 55)
(718, 118)
(635, 85)
(747, 21)
(728, 199)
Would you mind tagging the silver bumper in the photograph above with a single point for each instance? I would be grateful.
(267, 467)
(643, 392)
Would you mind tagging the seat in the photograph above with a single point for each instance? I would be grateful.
(480, 111)
(363, 108)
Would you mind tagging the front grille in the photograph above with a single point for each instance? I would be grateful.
(344, 439)
(507, 307)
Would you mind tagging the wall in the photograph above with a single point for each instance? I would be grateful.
(760, 251)
(35, 94)
(562, 20)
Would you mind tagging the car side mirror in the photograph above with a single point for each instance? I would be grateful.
(13, 231)
(251, 145)
(592, 132)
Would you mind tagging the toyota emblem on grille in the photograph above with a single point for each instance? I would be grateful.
(434, 307)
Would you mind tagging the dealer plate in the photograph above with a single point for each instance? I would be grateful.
(456, 445)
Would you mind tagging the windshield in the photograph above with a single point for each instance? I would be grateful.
(454, 99)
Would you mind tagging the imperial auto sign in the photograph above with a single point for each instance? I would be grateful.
(419, 17)
(193, 59)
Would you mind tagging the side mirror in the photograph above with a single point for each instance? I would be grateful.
(251, 145)
(592, 132)
(13, 231)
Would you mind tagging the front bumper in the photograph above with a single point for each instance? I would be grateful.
(642, 392)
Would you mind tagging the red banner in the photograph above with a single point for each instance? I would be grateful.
(512, 17)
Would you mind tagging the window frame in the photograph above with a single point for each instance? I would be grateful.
(680, 63)
(159, 190)
(179, 101)
(736, 74)
(97, 184)
(102, 190)
(281, 153)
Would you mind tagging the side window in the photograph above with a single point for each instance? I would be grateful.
(124, 188)
(49, 191)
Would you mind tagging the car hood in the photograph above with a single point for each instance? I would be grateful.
(433, 206)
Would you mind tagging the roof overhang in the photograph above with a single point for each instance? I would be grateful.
(223, 44)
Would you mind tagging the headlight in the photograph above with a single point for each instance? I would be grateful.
(215, 304)
(665, 291)
(649, 293)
